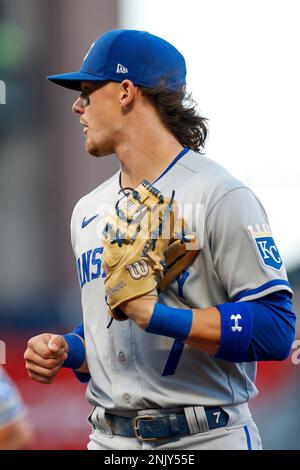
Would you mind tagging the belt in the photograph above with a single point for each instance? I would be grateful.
(150, 428)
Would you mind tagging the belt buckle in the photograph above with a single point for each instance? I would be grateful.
(136, 427)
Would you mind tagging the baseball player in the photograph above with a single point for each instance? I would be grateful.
(15, 429)
(179, 370)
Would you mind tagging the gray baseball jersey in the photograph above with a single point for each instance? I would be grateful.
(238, 260)
(12, 407)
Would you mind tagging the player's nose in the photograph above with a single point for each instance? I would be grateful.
(78, 107)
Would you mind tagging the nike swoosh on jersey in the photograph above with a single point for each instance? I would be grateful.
(86, 222)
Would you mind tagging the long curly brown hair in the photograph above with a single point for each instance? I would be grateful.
(178, 111)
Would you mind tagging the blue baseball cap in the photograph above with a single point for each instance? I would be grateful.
(122, 54)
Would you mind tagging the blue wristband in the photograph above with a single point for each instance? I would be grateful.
(236, 331)
(169, 321)
(76, 354)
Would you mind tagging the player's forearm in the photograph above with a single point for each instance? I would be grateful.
(237, 331)
(233, 331)
(203, 327)
(205, 332)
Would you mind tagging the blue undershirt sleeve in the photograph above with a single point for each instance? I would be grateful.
(79, 330)
(273, 327)
(258, 330)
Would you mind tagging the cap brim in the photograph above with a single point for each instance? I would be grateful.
(72, 80)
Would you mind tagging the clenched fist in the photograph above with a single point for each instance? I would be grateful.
(44, 356)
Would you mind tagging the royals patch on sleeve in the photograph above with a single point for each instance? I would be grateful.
(265, 245)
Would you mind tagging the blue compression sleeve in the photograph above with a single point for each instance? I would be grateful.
(83, 377)
(273, 327)
(259, 330)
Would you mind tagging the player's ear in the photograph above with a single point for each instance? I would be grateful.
(127, 93)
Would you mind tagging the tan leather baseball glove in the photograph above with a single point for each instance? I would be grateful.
(144, 246)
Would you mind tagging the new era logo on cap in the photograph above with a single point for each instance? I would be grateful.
(121, 69)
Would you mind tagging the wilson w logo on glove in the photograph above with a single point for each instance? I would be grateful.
(138, 269)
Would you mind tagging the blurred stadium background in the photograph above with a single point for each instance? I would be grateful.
(242, 64)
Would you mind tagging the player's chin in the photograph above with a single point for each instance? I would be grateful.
(91, 148)
(97, 150)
